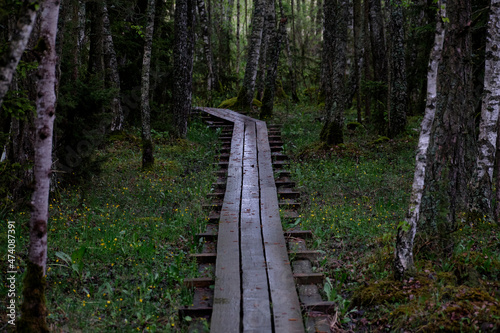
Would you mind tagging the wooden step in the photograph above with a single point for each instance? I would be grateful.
(288, 204)
(305, 234)
(287, 193)
(290, 214)
(216, 206)
(215, 195)
(213, 217)
(324, 306)
(308, 278)
(279, 157)
(201, 282)
(310, 255)
(205, 258)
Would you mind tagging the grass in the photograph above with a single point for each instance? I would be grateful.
(119, 244)
(354, 195)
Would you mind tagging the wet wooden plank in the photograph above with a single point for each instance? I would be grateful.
(227, 290)
(286, 309)
(255, 290)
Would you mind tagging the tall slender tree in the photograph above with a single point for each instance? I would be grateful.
(183, 65)
(272, 65)
(334, 53)
(398, 87)
(112, 74)
(10, 58)
(481, 197)
(452, 146)
(403, 256)
(247, 90)
(34, 310)
(147, 140)
(207, 46)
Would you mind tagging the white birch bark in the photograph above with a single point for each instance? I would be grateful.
(246, 94)
(403, 261)
(44, 123)
(20, 37)
(147, 141)
(490, 110)
(112, 73)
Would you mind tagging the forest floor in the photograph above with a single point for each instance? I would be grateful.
(353, 197)
(120, 239)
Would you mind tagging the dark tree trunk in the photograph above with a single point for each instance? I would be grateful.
(147, 141)
(96, 51)
(266, 45)
(272, 67)
(334, 53)
(183, 65)
(452, 149)
(378, 48)
(33, 309)
(398, 86)
(246, 93)
(358, 52)
(207, 46)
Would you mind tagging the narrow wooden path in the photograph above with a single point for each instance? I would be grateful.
(254, 285)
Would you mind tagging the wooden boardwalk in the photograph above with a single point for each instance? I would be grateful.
(254, 285)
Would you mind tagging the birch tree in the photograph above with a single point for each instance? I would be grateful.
(112, 73)
(33, 309)
(10, 58)
(403, 261)
(247, 90)
(147, 140)
(482, 184)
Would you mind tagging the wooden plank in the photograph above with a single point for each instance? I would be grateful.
(286, 309)
(255, 289)
(227, 292)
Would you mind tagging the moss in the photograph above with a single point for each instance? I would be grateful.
(34, 308)
(231, 103)
(379, 140)
(354, 125)
(332, 133)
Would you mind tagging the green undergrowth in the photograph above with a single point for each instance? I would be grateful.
(353, 197)
(119, 245)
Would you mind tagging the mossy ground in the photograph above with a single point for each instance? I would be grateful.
(353, 197)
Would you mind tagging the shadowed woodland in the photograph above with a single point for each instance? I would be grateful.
(389, 113)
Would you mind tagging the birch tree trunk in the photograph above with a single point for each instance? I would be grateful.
(398, 87)
(482, 184)
(147, 141)
(334, 53)
(33, 309)
(453, 144)
(112, 73)
(207, 47)
(10, 58)
(247, 90)
(183, 64)
(403, 258)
